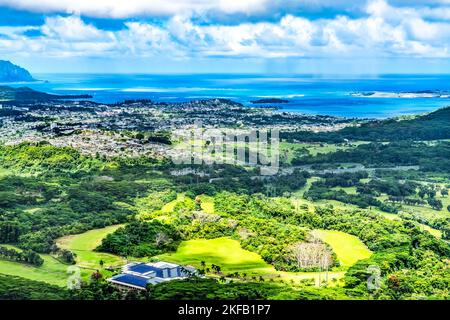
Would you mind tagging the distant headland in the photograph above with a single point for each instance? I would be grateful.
(10, 72)
(27, 95)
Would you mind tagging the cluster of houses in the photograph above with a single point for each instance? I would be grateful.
(90, 127)
(139, 275)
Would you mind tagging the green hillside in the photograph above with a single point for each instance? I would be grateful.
(432, 126)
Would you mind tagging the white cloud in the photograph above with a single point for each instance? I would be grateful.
(141, 39)
(130, 8)
(60, 37)
(73, 29)
(384, 31)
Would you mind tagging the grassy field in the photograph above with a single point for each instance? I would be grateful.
(83, 245)
(224, 252)
(348, 248)
(300, 192)
(55, 272)
(288, 149)
(220, 251)
(389, 216)
(427, 212)
(229, 255)
(168, 207)
(434, 232)
(207, 204)
(52, 271)
(348, 190)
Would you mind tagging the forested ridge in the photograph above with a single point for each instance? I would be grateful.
(432, 126)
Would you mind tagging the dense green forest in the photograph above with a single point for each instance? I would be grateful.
(16, 288)
(432, 126)
(432, 158)
(399, 214)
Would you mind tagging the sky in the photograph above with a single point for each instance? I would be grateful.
(227, 36)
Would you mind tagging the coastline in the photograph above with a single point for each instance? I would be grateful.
(306, 95)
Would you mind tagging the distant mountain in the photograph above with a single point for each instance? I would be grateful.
(25, 94)
(11, 73)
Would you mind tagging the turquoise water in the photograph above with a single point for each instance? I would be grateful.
(396, 95)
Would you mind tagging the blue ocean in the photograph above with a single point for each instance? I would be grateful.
(346, 96)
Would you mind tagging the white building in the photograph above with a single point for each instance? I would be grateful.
(138, 275)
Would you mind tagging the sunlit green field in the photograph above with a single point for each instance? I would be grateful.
(207, 204)
(349, 190)
(52, 271)
(168, 207)
(289, 149)
(229, 255)
(434, 232)
(83, 245)
(424, 211)
(348, 248)
(428, 212)
(220, 251)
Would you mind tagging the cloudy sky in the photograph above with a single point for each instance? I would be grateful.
(179, 36)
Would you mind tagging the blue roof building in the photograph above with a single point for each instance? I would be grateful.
(139, 275)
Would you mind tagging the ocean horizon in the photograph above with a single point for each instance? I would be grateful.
(349, 96)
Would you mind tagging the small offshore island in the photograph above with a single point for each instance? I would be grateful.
(269, 100)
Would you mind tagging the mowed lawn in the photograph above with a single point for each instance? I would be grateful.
(168, 207)
(84, 245)
(207, 203)
(52, 271)
(229, 255)
(348, 248)
(225, 252)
